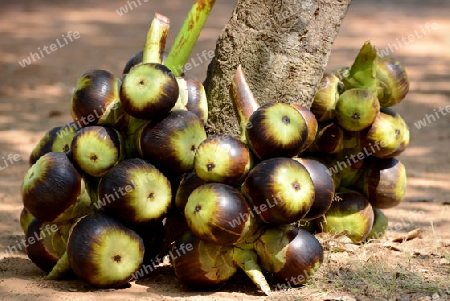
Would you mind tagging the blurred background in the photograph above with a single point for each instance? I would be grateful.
(36, 97)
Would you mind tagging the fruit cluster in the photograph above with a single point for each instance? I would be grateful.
(106, 181)
(137, 153)
(109, 184)
(359, 135)
(243, 195)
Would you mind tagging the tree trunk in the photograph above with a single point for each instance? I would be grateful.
(283, 47)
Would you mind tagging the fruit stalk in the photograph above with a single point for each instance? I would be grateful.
(156, 39)
(153, 51)
(362, 73)
(61, 268)
(188, 35)
(244, 103)
(247, 260)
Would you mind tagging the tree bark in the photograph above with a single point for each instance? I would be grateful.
(283, 47)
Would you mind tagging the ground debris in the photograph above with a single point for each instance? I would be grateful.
(416, 233)
(339, 298)
(421, 199)
(444, 261)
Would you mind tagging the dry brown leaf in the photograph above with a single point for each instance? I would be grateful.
(408, 236)
(392, 247)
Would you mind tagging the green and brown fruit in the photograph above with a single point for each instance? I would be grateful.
(326, 97)
(201, 264)
(311, 122)
(383, 182)
(387, 134)
(103, 252)
(276, 130)
(192, 97)
(350, 214)
(135, 192)
(392, 81)
(222, 159)
(280, 190)
(220, 214)
(96, 149)
(380, 224)
(356, 109)
(189, 181)
(149, 91)
(329, 139)
(171, 144)
(293, 255)
(58, 139)
(323, 187)
(53, 189)
(40, 249)
(132, 61)
(404, 142)
(95, 100)
(25, 219)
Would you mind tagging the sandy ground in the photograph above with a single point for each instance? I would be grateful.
(35, 98)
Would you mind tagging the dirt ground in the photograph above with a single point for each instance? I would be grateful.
(35, 98)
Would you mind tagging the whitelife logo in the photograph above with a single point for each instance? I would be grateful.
(34, 56)
(416, 35)
(47, 231)
(109, 198)
(85, 121)
(178, 251)
(429, 118)
(256, 209)
(131, 5)
(10, 160)
(341, 165)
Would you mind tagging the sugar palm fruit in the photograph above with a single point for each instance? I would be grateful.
(350, 214)
(383, 182)
(392, 81)
(293, 255)
(356, 109)
(95, 100)
(386, 135)
(280, 190)
(326, 97)
(276, 130)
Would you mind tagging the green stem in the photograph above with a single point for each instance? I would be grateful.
(247, 260)
(188, 35)
(156, 39)
(362, 73)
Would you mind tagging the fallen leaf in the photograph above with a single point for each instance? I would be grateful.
(408, 236)
(391, 247)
